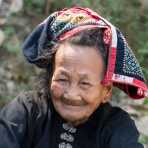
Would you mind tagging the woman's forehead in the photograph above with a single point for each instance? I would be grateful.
(68, 51)
(78, 58)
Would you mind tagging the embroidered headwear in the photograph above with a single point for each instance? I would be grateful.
(123, 70)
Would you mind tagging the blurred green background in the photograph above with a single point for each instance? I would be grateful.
(19, 17)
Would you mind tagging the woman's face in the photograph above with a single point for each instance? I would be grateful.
(75, 87)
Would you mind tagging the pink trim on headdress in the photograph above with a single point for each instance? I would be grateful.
(142, 89)
(77, 30)
(107, 36)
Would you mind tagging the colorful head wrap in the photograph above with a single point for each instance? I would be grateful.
(123, 70)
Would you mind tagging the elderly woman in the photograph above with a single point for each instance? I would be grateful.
(84, 57)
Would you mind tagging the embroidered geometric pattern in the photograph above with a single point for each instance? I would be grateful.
(61, 27)
(130, 63)
(131, 66)
(68, 21)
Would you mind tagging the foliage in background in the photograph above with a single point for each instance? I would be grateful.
(127, 15)
(143, 139)
(12, 44)
(34, 5)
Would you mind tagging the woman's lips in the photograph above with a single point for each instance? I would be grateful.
(72, 107)
(73, 102)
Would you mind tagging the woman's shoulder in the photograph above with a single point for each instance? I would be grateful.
(113, 114)
(25, 98)
(119, 128)
(21, 118)
(118, 118)
(32, 98)
(28, 102)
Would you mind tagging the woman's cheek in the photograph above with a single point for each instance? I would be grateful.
(56, 90)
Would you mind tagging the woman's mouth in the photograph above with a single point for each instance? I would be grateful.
(74, 103)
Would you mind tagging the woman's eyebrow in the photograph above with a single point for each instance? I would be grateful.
(87, 77)
(63, 72)
(84, 76)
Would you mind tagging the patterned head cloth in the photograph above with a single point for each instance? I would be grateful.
(123, 70)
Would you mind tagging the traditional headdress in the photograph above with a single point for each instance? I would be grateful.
(123, 70)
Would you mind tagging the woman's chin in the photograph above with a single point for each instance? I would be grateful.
(72, 114)
(72, 117)
(74, 121)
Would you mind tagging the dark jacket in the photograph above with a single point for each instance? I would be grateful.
(27, 124)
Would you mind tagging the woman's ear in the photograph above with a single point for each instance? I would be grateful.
(107, 93)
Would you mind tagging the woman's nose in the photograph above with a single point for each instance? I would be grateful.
(72, 96)
(72, 93)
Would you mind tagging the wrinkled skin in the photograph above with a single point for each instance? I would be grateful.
(76, 83)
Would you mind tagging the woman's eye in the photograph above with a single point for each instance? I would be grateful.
(62, 80)
(85, 83)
